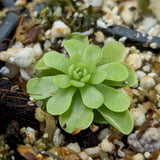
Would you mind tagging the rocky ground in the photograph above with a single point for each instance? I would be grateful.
(28, 29)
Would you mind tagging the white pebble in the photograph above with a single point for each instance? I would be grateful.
(83, 155)
(106, 146)
(93, 3)
(134, 61)
(138, 116)
(4, 70)
(146, 68)
(147, 155)
(105, 133)
(60, 29)
(93, 152)
(147, 82)
(140, 74)
(99, 36)
(74, 147)
(138, 156)
(157, 87)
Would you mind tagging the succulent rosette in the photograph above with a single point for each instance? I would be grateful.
(83, 88)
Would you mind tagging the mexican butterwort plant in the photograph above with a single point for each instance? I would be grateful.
(85, 87)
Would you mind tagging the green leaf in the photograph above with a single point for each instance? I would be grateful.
(75, 58)
(41, 88)
(78, 116)
(98, 118)
(57, 61)
(43, 70)
(90, 65)
(114, 99)
(93, 53)
(40, 65)
(132, 77)
(113, 51)
(97, 77)
(122, 121)
(73, 46)
(129, 81)
(62, 81)
(60, 101)
(114, 71)
(91, 97)
(80, 37)
(47, 72)
(77, 84)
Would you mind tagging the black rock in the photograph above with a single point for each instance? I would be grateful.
(7, 4)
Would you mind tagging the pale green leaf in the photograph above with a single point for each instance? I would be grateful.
(80, 37)
(62, 81)
(98, 118)
(91, 97)
(114, 99)
(60, 101)
(43, 70)
(114, 71)
(41, 88)
(57, 61)
(97, 77)
(40, 65)
(113, 51)
(75, 58)
(90, 65)
(77, 84)
(77, 118)
(74, 46)
(122, 121)
(93, 53)
(129, 81)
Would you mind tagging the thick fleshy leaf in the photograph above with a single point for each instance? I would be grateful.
(113, 51)
(114, 71)
(122, 121)
(91, 97)
(114, 99)
(130, 81)
(60, 101)
(98, 118)
(57, 61)
(97, 77)
(43, 70)
(41, 88)
(40, 65)
(93, 53)
(77, 84)
(77, 118)
(90, 65)
(75, 58)
(132, 77)
(74, 46)
(62, 80)
(80, 37)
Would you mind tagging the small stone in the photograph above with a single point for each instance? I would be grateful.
(93, 152)
(146, 68)
(138, 156)
(60, 29)
(140, 74)
(99, 36)
(83, 155)
(105, 133)
(147, 82)
(106, 146)
(138, 116)
(147, 155)
(74, 147)
(94, 128)
(134, 61)
(157, 87)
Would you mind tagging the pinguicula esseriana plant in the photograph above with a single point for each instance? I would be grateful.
(86, 86)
